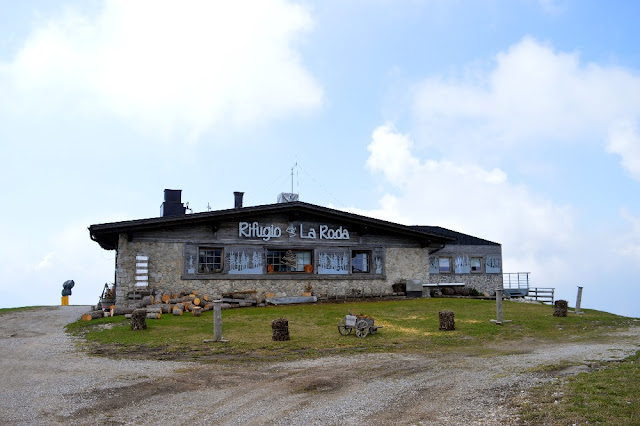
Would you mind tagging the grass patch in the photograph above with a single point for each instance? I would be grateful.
(4, 311)
(409, 326)
(607, 396)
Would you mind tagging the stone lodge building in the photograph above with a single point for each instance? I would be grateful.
(287, 249)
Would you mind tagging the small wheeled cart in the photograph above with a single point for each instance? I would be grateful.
(362, 324)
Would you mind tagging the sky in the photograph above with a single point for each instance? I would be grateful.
(513, 121)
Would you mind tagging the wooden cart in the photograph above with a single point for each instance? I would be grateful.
(362, 324)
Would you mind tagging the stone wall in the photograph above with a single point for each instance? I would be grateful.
(483, 281)
(166, 268)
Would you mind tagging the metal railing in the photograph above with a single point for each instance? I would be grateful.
(518, 280)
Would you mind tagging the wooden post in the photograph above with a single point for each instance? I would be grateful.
(217, 323)
(217, 320)
(579, 300)
(499, 317)
(65, 300)
(499, 306)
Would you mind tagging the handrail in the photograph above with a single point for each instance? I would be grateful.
(518, 280)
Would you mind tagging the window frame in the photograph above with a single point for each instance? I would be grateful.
(450, 267)
(281, 268)
(214, 270)
(369, 258)
(479, 271)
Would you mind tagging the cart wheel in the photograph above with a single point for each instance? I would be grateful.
(362, 328)
(342, 327)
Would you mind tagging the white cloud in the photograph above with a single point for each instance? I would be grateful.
(533, 96)
(629, 242)
(624, 140)
(537, 234)
(45, 262)
(468, 198)
(165, 66)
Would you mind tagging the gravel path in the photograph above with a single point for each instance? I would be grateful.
(46, 380)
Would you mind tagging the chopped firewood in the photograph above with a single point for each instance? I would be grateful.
(92, 315)
(139, 319)
(280, 329)
(446, 320)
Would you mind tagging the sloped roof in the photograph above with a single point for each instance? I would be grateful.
(107, 234)
(461, 239)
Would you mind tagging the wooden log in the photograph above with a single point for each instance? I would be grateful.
(165, 297)
(139, 319)
(119, 310)
(88, 316)
(154, 309)
(280, 329)
(197, 301)
(447, 321)
(177, 311)
(561, 308)
(196, 312)
(154, 315)
(179, 299)
(166, 308)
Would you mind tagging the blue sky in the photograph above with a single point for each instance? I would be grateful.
(514, 121)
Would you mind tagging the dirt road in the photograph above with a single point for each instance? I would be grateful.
(46, 380)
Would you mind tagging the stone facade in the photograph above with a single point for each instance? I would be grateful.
(487, 280)
(166, 274)
(288, 250)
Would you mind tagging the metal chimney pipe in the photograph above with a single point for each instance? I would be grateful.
(237, 197)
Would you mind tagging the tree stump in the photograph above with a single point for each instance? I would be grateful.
(280, 328)
(139, 319)
(446, 320)
(561, 308)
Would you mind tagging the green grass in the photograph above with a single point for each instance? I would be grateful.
(608, 396)
(4, 311)
(408, 326)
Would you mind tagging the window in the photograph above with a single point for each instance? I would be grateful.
(210, 260)
(360, 261)
(288, 260)
(476, 264)
(444, 265)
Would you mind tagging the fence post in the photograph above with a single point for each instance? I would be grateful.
(499, 318)
(217, 323)
(579, 300)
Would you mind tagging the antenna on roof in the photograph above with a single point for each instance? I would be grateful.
(285, 197)
(295, 166)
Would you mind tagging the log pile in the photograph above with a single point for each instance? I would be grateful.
(280, 329)
(561, 307)
(177, 304)
(447, 321)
